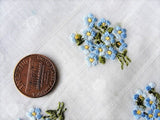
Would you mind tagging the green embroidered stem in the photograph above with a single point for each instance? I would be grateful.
(102, 32)
(123, 58)
(125, 61)
(120, 60)
(140, 102)
(128, 58)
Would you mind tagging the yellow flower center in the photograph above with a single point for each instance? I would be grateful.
(140, 96)
(109, 52)
(91, 60)
(118, 43)
(76, 37)
(100, 49)
(158, 114)
(103, 24)
(88, 33)
(86, 47)
(89, 20)
(33, 113)
(138, 112)
(150, 102)
(107, 38)
(119, 31)
(150, 115)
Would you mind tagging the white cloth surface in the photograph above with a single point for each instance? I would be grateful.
(103, 92)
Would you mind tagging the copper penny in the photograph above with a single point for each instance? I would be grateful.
(35, 75)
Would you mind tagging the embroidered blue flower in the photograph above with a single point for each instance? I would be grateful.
(138, 113)
(150, 86)
(156, 114)
(108, 38)
(120, 32)
(89, 34)
(150, 102)
(111, 53)
(139, 95)
(90, 20)
(103, 22)
(121, 44)
(34, 113)
(75, 37)
(149, 115)
(92, 59)
(100, 49)
(87, 47)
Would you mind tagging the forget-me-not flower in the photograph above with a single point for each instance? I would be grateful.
(103, 22)
(34, 113)
(89, 34)
(92, 59)
(87, 47)
(90, 20)
(110, 53)
(119, 32)
(108, 38)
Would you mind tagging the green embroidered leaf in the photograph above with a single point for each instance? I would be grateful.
(97, 42)
(104, 28)
(79, 42)
(51, 112)
(98, 36)
(102, 59)
(56, 114)
(110, 29)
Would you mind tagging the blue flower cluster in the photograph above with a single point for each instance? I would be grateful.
(100, 41)
(147, 103)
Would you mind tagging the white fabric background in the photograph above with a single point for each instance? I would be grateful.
(103, 92)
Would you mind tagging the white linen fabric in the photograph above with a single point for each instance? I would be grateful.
(103, 92)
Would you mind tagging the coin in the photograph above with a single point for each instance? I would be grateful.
(35, 75)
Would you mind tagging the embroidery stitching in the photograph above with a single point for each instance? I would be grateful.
(101, 42)
(58, 114)
(147, 103)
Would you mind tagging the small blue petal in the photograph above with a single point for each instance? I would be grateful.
(38, 116)
(37, 110)
(29, 114)
(135, 97)
(152, 85)
(148, 88)
(31, 110)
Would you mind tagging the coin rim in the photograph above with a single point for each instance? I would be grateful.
(54, 73)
